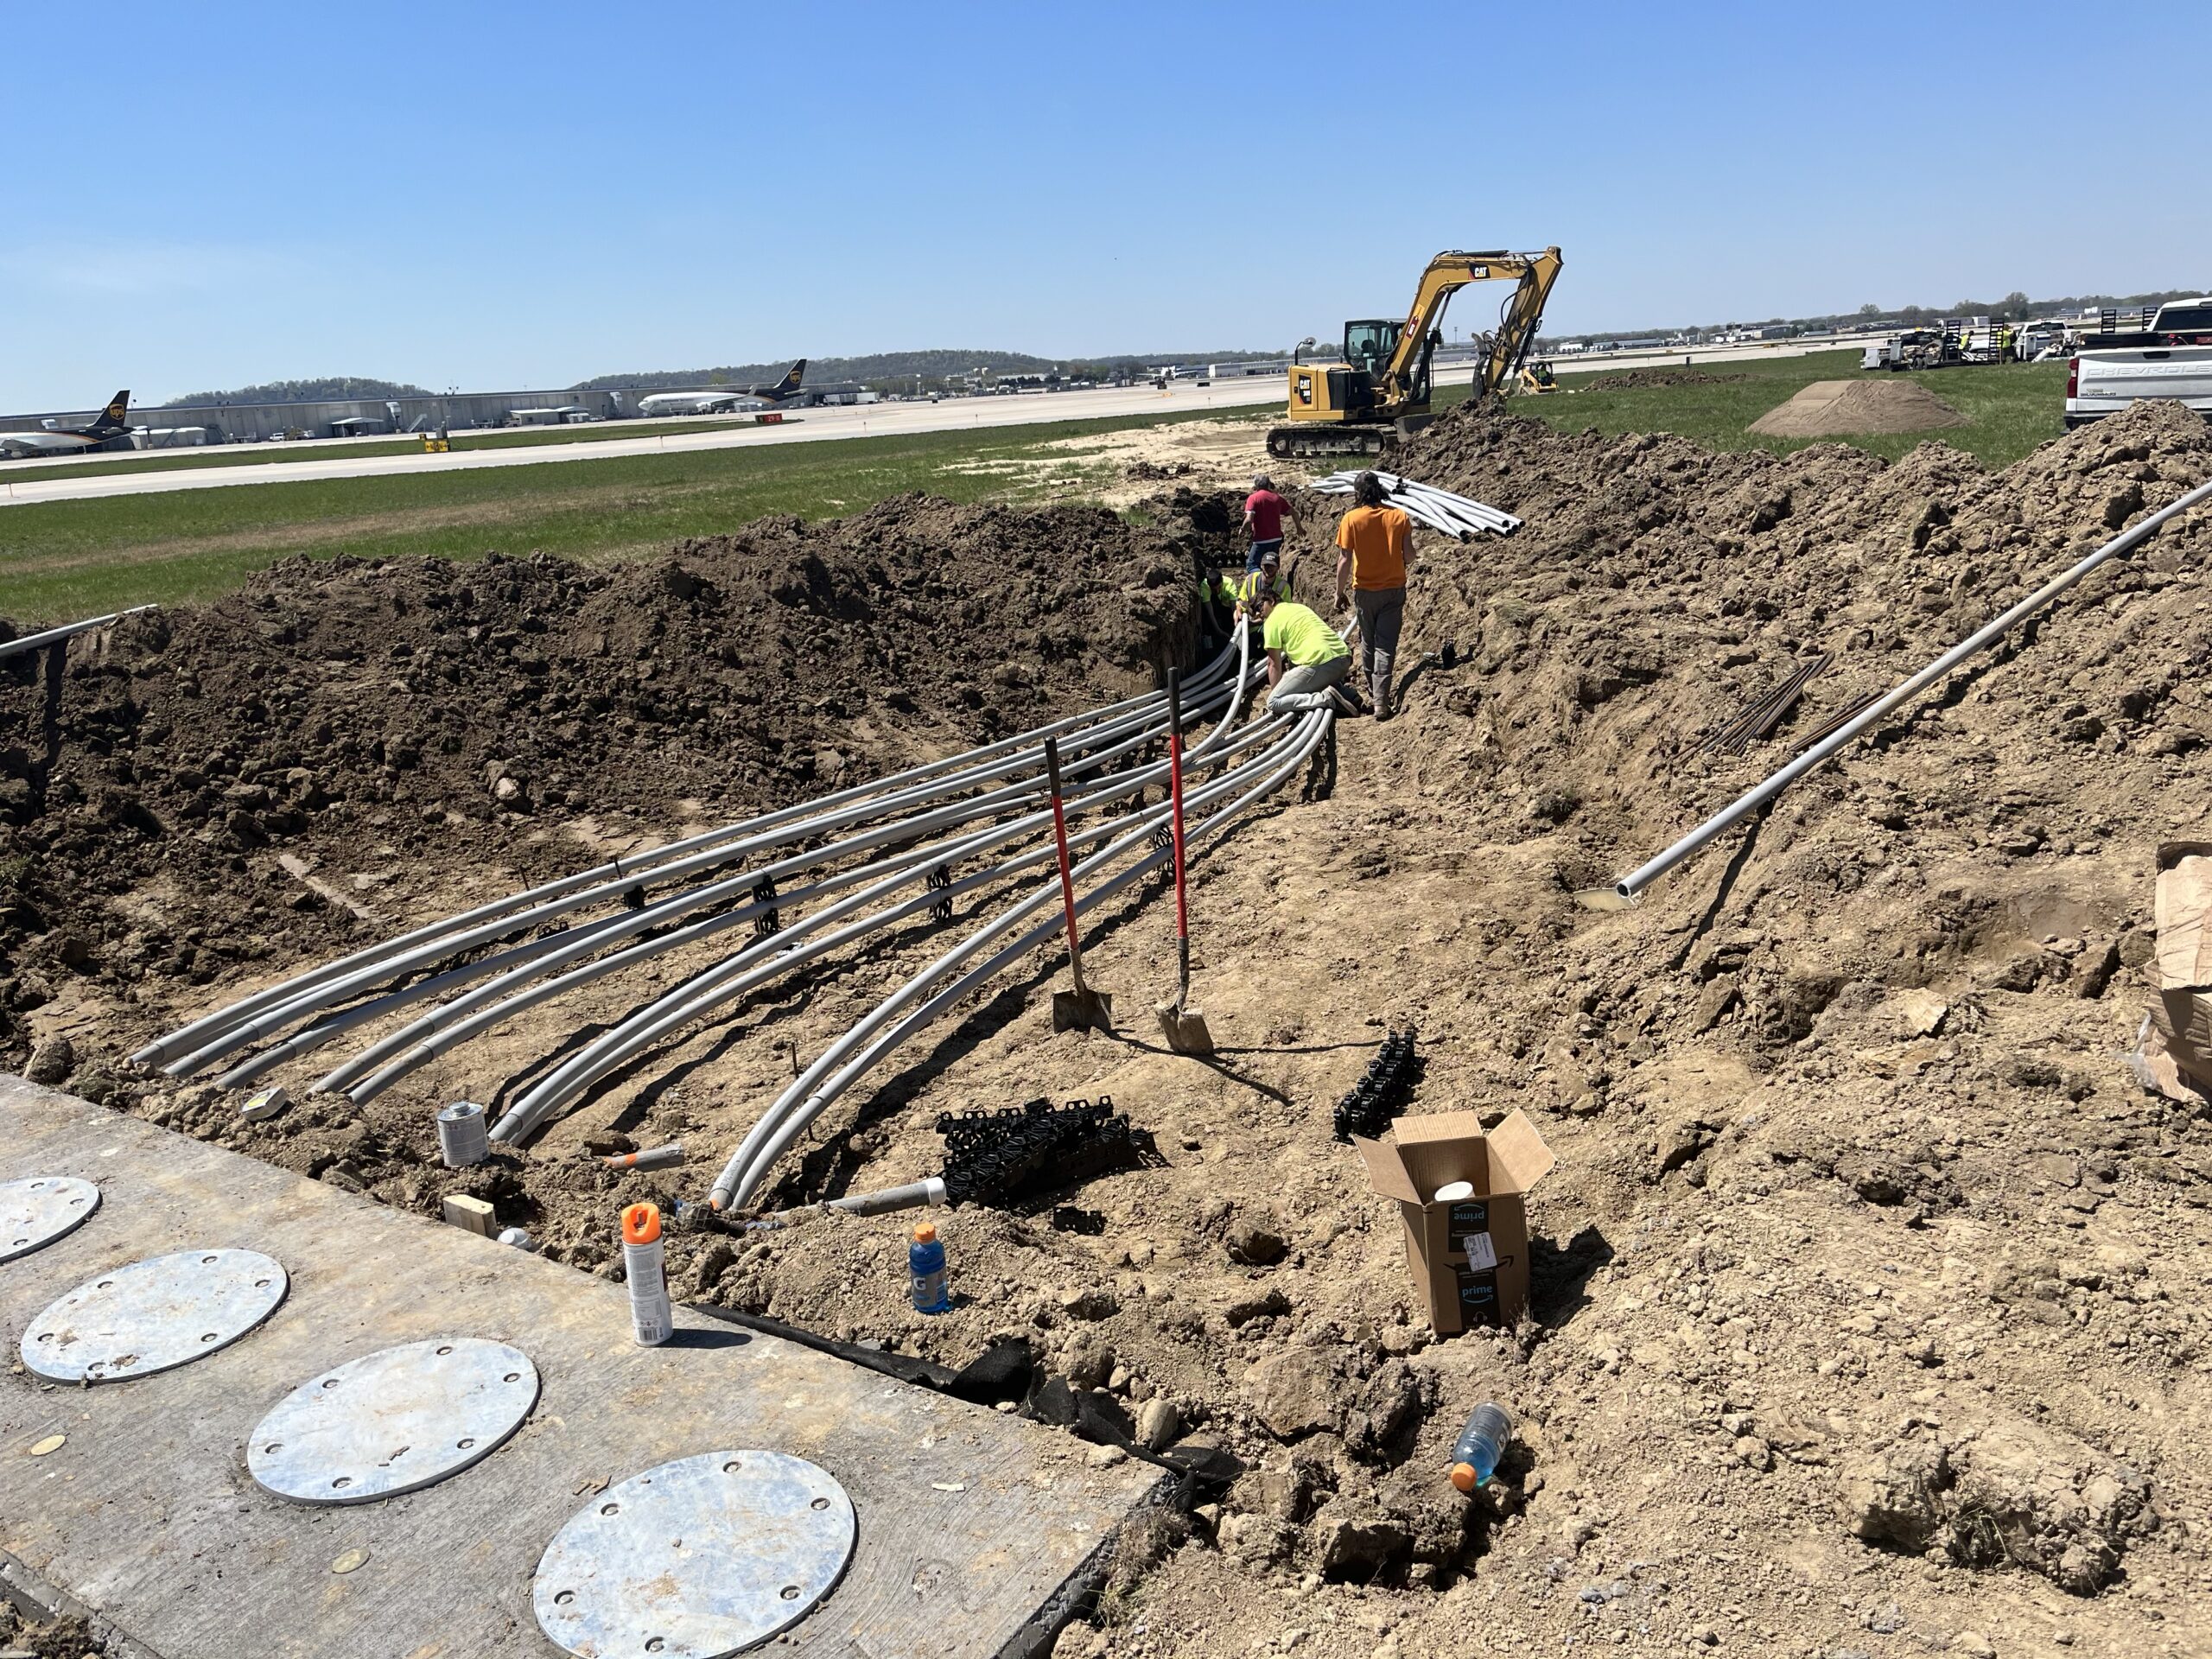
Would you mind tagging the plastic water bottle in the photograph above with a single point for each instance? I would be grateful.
(925, 1267)
(1475, 1454)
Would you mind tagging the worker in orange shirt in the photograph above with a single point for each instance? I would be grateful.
(1371, 543)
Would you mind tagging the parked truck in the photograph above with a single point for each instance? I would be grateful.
(2170, 358)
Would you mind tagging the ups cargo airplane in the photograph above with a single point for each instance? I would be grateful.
(71, 439)
(721, 399)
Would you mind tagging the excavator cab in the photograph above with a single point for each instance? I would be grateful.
(1368, 344)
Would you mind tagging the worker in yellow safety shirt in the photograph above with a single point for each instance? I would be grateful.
(1268, 578)
(1372, 541)
(1217, 599)
(1307, 659)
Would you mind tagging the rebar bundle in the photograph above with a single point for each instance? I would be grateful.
(1380, 1095)
(1764, 714)
(1440, 510)
(1000, 1158)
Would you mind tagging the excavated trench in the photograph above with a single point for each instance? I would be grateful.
(1865, 1255)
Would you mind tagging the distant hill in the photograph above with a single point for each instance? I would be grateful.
(895, 370)
(301, 391)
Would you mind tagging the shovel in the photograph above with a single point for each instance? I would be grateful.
(1183, 1026)
(1072, 1010)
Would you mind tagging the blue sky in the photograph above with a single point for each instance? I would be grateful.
(500, 195)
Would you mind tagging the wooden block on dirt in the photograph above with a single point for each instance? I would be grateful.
(477, 1215)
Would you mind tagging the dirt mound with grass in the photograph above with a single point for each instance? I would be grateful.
(1829, 409)
(1870, 1290)
(1651, 379)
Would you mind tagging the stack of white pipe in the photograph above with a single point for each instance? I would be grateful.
(1440, 510)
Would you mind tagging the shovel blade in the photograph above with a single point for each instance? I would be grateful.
(1185, 1029)
(1077, 1010)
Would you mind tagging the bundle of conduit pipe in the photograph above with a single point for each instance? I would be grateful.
(1440, 510)
(852, 868)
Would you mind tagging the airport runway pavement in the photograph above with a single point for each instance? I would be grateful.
(802, 426)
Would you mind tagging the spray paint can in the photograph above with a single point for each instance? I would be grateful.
(461, 1137)
(651, 1321)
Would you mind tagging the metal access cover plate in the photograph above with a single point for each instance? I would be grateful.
(37, 1211)
(392, 1421)
(153, 1315)
(694, 1559)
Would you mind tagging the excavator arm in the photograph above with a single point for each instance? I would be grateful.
(1405, 379)
(1378, 391)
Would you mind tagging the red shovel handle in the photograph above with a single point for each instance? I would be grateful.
(1175, 798)
(1060, 840)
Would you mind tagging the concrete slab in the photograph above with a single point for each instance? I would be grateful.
(973, 1526)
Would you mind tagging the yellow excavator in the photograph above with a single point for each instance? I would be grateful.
(1379, 392)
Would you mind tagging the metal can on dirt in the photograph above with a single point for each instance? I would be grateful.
(651, 1321)
(462, 1137)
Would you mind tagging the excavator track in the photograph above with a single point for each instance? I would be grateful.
(1298, 443)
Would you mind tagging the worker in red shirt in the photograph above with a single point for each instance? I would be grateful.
(1263, 511)
(1371, 543)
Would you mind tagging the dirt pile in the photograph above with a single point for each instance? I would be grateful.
(1834, 407)
(1870, 1291)
(1647, 379)
(259, 780)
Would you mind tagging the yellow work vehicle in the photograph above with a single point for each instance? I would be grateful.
(1537, 378)
(1379, 392)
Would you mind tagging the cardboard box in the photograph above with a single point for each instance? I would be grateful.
(2181, 1014)
(1469, 1258)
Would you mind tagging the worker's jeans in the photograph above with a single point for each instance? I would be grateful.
(1259, 551)
(1381, 610)
(1314, 676)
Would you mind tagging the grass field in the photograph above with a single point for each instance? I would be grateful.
(66, 559)
(2010, 408)
(262, 455)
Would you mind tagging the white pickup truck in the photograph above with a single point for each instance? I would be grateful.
(2171, 358)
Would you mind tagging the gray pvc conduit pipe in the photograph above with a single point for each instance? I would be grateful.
(735, 976)
(361, 1012)
(904, 868)
(246, 1027)
(806, 1098)
(624, 873)
(577, 943)
(1626, 889)
(322, 989)
(68, 631)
